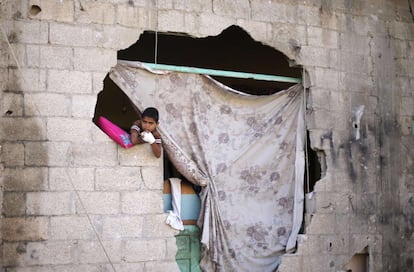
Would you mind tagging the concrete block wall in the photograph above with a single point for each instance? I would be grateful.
(64, 183)
(56, 163)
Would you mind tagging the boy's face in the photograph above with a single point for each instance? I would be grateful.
(148, 124)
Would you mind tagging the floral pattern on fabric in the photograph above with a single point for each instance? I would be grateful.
(247, 153)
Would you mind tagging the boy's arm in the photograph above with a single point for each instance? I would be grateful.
(156, 149)
(135, 133)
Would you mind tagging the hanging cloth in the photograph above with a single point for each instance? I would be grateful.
(174, 215)
(245, 151)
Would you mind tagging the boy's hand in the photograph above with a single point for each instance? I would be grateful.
(148, 137)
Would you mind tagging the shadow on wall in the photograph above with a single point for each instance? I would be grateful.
(25, 157)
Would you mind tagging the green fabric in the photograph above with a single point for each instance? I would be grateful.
(188, 245)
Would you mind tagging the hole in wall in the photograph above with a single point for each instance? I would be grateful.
(232, 50)
(359, 262)
(34, 10)
(313, 171)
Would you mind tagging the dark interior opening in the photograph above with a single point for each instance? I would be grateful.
(313, 171)
(232, 50)
(115, 105)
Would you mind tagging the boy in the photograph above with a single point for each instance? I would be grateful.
(145, 131)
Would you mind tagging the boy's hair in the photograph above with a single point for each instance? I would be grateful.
(151, 112)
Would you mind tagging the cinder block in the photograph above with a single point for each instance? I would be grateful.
(46, 104)
(12, 103)
(120, 227)
(11, 253)
(310, 16)
(236, 9)
(292, 36)
(25, 229)
(31, 32)
(73, 35)
(124, 267)
(269, 11)
(153, 177)
(211, 24)
(195, 7)
(4, 60)
(76, 267)
(326, 78)
(47, 154)
(406, 125)
(322, 263)
(19, 57)
(142, 202)
(291, 263)
(155, 227)
(258, 30)
(12, 154)
(98, 203)
(96, 13)
(50, 203)
(356, 82)
(318, 56)
(158, 266)
(132, 16)
(60, 11)
(144, 251)
(171, 248)
(33, 55)
(322, 37)
(49, 252)
(70, 227)
(71, 179)
(95, 154)
(69, 129)
(139, 155)
(407, 106)
(97, 80)
(27, 80)
(56, 57)
(83, 106)
(118, 36)
(325, 202)
(118, 179)
(402, 30)
(25, 179)
(92, 252)
(13, 204)
(64, 81)
(322, 119)
(354, 43)
(356, 64)
(322, 224)
(166, 4)
(94, 59)
(15, 129)
(321, 98)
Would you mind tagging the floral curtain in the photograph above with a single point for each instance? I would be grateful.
(245, 151)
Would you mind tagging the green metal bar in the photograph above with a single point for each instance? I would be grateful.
(212, 72)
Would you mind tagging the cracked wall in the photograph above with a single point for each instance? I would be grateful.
(358, 54)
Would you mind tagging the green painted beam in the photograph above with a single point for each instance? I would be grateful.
(223, 73)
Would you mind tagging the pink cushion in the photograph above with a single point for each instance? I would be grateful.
(114, 132)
